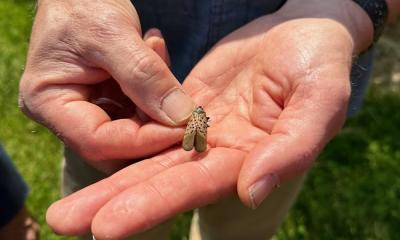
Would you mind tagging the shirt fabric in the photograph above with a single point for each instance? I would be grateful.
(13, 189)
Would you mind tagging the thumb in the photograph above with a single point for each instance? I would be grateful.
(146, 79)
(304, 127)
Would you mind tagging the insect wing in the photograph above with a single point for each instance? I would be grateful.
(200, 142)
(190, 133)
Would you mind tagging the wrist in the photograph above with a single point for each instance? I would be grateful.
(345, 12)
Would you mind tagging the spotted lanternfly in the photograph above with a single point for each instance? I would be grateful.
(196, 131)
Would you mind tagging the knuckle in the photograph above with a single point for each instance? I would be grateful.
(25, 96)
(32, 98)
(23, 106)
(106, 26)
(146, 69)
(76, 27)
(89, 148)
(103, 31)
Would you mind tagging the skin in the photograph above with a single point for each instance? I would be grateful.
(21, 227)
(77, 54)
(394, 9)
(280, 78)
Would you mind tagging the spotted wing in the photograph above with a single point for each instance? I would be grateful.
(200, 142)
(190, 133)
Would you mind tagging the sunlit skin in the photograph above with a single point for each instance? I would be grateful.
(78, 49)
(276, 91)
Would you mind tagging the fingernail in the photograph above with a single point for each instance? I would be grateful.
(178, 106)
(259, 190)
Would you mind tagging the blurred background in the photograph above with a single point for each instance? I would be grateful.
(353, 192)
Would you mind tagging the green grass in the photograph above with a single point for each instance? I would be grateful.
(353, 192)
(354, 189)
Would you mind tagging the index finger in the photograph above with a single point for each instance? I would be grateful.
(73, 214)
(89, 130)
(177, 189)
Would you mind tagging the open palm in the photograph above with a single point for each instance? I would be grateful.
(275, 94)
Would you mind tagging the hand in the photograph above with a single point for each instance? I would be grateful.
(394, 10)
(276, 91)
(87, 73)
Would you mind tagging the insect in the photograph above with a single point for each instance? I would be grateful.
(196, 131)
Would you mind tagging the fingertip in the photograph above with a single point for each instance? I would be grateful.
(59, 220)
(243, 193)
(255, 193)
(273, 161)
(102, 231)
(51, 217)
(155, 40)
(111, 222)
(72, 216)
(152, 32)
